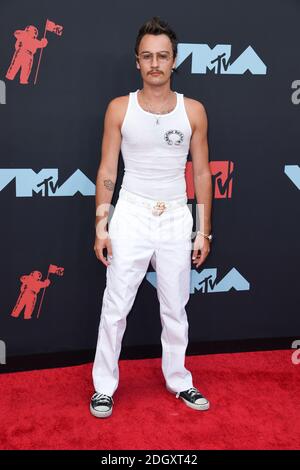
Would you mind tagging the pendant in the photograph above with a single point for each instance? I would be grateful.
(157, 120)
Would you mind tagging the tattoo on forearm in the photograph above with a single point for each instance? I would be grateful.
(109, 185)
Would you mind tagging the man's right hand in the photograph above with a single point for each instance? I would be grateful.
(100, 243)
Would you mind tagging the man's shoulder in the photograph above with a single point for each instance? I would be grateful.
(119, 102)
(194, 105)
(196, 112)
(116, 109)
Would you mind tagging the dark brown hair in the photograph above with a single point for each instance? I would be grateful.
(156, 26)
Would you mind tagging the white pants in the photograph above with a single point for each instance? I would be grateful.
(138, 236)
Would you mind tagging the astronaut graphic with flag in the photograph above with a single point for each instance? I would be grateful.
(30, 288)
(26, 45)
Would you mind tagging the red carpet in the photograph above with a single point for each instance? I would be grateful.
(254, 405)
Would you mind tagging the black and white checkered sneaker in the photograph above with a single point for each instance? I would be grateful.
(101, 405)
(193, 398)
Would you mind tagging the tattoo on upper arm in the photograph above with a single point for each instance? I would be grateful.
(109, 185)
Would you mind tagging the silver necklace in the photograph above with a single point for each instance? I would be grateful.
(160, 113)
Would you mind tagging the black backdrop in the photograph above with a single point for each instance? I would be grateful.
(252, 282)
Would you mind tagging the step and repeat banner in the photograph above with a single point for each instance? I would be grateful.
(61, 62)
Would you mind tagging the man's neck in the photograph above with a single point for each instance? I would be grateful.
(156, 95)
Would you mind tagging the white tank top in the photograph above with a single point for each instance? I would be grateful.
(154, 149)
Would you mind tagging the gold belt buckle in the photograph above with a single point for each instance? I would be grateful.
(159, 208)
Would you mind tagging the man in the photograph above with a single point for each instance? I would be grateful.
(154, 128)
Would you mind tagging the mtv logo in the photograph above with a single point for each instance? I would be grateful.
(205, 281)
(217, 59)
(222, 175)
(45, 182)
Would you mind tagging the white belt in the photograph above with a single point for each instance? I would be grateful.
(157, 207)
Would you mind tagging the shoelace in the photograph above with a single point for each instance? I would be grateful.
(101, 397)
(191, 391)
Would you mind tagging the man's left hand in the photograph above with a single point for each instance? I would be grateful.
(200, 250)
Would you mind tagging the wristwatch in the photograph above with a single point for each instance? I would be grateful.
(209, 237)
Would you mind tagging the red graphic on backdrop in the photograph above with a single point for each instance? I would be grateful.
(31, 286)
(222, 172)
(25, 47)
(54, 28)
(222, 176)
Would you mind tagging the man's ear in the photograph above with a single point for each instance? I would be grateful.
(174, 63)
(137, 62)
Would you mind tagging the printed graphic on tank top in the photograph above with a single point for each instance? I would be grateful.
(155, 148)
